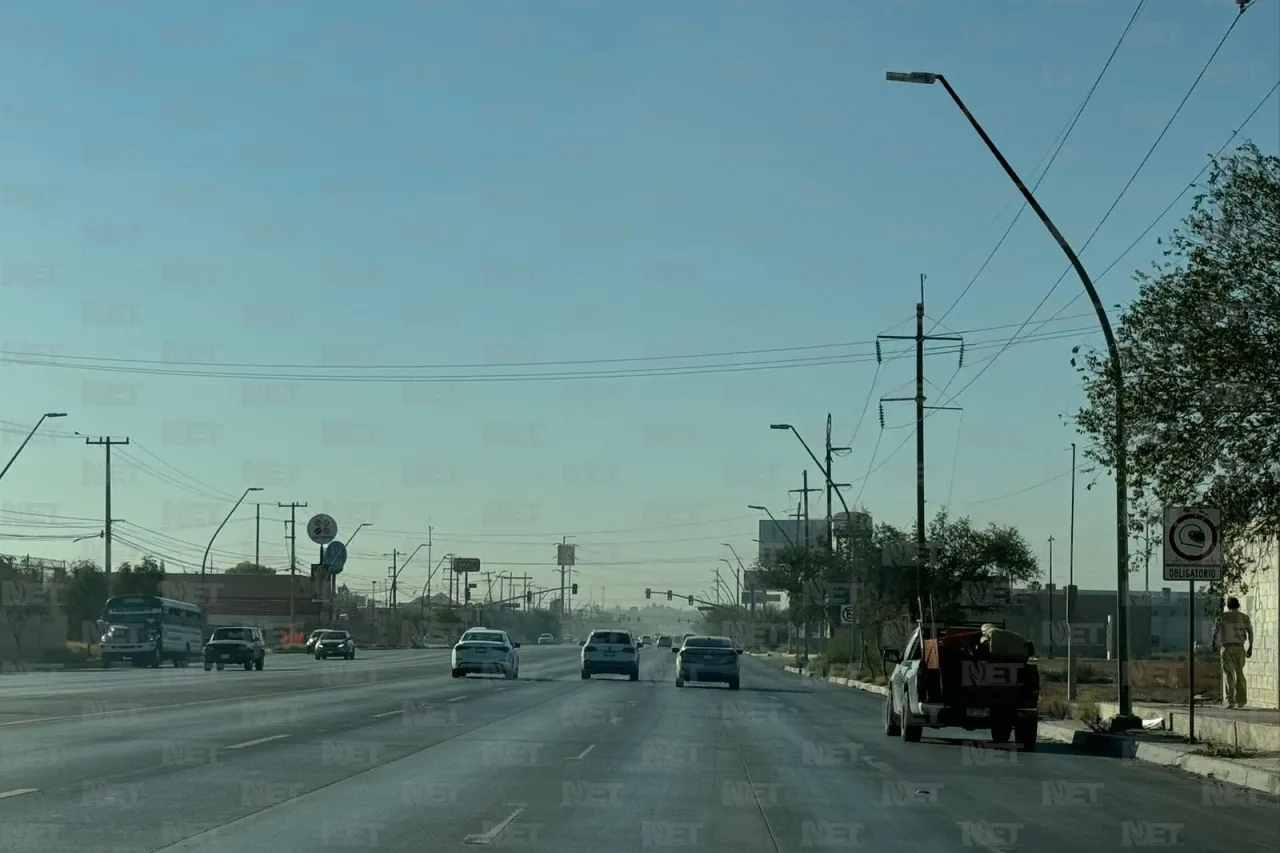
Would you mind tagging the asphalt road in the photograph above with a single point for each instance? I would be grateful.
(389, 753)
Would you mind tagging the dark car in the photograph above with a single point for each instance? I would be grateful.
(235, 645)
(335, 644)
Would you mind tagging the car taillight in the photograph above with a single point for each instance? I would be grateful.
(629, 650)
(588, 648)
(504, 649)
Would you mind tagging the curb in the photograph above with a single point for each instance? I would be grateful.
(1118, 746)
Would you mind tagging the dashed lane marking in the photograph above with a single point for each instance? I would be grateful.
(492, 835)
(17, 792)
(583, 754)
(249, 743)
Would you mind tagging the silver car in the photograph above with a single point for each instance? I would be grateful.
(711, 659)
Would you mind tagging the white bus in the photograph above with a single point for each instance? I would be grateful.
(145, 630)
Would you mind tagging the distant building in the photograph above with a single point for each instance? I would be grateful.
(774, 537)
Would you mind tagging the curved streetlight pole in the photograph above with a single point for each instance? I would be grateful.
(826, 473)
(781, 529)
(1126, 718)
(205, 558)
(14, 457)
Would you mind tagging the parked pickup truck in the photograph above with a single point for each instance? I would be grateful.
(948, 677)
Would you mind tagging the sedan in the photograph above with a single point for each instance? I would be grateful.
(486, 651)
(709, 659)
(335, 644)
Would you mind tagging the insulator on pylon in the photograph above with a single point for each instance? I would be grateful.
(961, 354)
(879, 360)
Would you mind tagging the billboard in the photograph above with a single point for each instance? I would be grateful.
(753, 579)
(465, 564)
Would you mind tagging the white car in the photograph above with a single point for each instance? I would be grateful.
(610, 653)
(486, 651)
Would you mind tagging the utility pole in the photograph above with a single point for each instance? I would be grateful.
(257, 534)
(1051, 596)
(920, 338)
(804, 491)
(107, 442)
(831, 485)
(1071, 582)
(293, 563)
(395, 574)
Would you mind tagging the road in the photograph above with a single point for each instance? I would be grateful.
(388, 752)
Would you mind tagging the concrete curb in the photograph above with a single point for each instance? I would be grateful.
(1118, 746)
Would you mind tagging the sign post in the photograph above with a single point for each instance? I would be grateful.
(1192, 552)
(322, 530)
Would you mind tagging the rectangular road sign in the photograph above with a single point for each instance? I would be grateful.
(1192, 544)
(565, 555)
(466, 564)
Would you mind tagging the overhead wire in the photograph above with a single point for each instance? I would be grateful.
(1195, 83)
(1055, 152)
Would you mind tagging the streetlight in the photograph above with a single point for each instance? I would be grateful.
(781, 529)
(205, 558)
(826, 474)
(43, 417)
(357, 530)
(742, 570)
(1126, 718)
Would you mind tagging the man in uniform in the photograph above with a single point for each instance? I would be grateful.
(1230, 633)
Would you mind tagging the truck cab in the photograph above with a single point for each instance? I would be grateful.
(948, 676)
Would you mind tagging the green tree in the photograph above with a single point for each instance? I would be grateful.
(82, 596)
(248, 567)
(143, 579)
(1197, 354)
(23, 597)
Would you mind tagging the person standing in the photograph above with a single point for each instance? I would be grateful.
(1233, 634)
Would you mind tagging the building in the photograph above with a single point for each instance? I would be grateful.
(1262, 603)
(264, 601)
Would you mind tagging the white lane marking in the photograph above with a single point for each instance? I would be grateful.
(583, 754)
(878, 764)
(17, 792)
(256, 742)
(456, 699)
(492, 835)
(386, 714)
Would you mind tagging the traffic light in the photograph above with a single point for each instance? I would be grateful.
(648, 593)
(668, 595)
(574, 589)
(467, 593)
(691, 599)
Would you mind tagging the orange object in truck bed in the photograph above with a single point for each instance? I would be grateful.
(949, 638)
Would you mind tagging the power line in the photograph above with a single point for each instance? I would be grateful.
(1063, 141)
(1195, 83)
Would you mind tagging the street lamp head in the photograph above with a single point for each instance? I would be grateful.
(911, 77)
(254, 489)
(55, 414)
(779, 426)
(756, 508)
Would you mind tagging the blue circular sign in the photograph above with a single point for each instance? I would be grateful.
(335, 557)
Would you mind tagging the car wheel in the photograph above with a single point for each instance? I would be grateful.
(261, 662)
(890, 726)
(734, 684)
(909, 733)
(635, 674)
(585, 675)
(679, 681)
(457, 673)
(1027, 732)
(208, 666)
(221, 666)
(248, 665)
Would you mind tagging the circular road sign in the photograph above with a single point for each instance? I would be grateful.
(846, 614)
(322, 529)
(1193, 537)
(335, 556)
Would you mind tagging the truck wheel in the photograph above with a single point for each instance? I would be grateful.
(891, 728)
(221, 666)
(909, 733)
(208, 666)
(1027, 732)
(259, 664)
(248, 665)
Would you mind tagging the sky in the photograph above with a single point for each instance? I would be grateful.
(501, 273)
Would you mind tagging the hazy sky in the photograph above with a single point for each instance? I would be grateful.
(378, 211)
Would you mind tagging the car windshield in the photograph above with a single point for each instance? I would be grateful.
(611, 638)
(483, 637)
(233, 634)
(334, 635)
(708, 643)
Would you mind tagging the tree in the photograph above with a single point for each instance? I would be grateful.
(23, 597)
(83, 594)
(248, 567)
(1197, 355)
(142, 579)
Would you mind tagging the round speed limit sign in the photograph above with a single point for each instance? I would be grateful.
(322, 529)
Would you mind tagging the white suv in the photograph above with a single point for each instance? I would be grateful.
(486, 650)
(610, 652)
